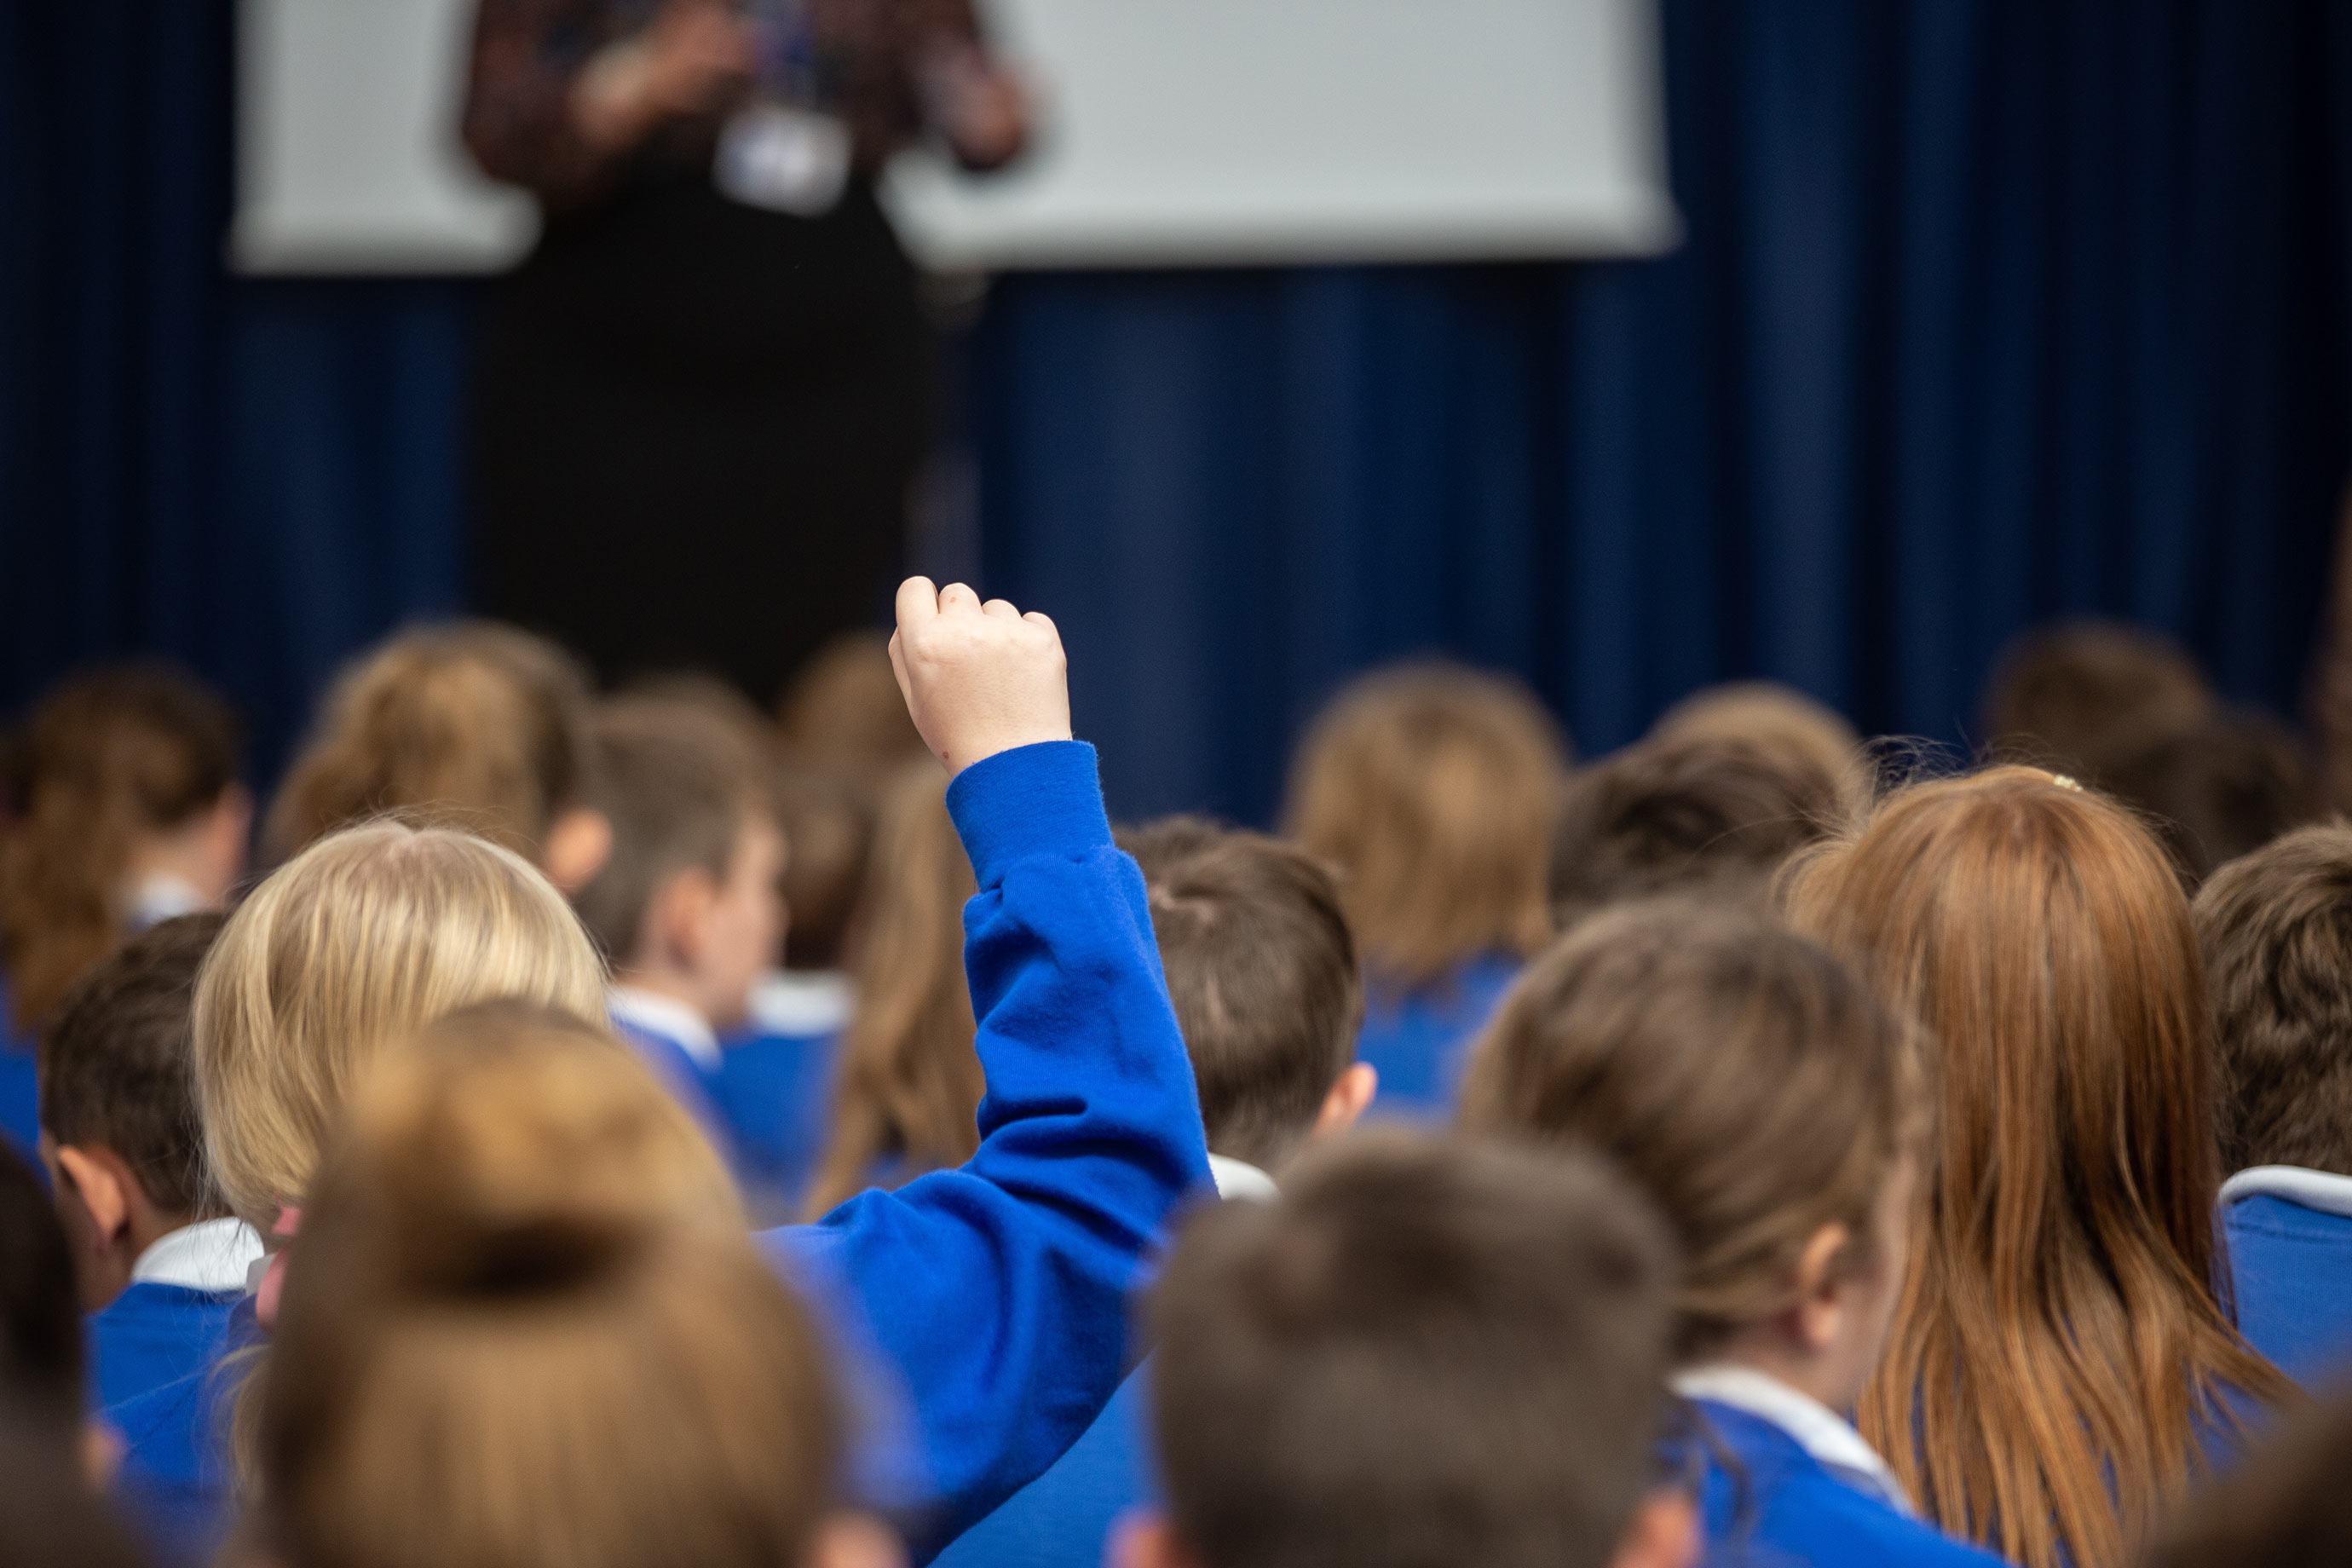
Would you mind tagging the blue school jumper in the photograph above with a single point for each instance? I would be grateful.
(1417, 1040)
(177, 1481)
(20, 1103)
(2289, 1235)
(674, 1041)
(997, 1293)
(774, 1086)
(1787, 1504)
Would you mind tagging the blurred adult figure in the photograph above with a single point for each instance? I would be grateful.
(700, 401)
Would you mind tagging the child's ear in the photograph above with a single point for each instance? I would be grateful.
(855, 1540)
(99, 1185)
(1821, 1306)
(1662, 1533)
(676, 915)
(1351, 1091)
(578, 845)
(1144, 1539)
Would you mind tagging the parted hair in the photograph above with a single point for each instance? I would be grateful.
(1701, 807)
(1431, 790)
(526, 1325)
(679, 782)
(1423, 1351)
(2060, 1348)
(365, 938)
(115, 1069)
(473, 723)
(1741, 1075)
(1263, 974)
(2275, 927)
(107, 756)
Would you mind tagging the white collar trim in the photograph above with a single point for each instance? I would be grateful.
(213, 1255)
(2322, 1189)
(670, 1018)
(1240, 1179)
(162, 897)
(1817, 1429)
(802, 1001)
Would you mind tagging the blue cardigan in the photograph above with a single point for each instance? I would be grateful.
(2291, 1265)
(996, 1294)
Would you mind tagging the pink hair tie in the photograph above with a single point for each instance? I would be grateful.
(273, 1273)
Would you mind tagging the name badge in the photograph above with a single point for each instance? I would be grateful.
(784, 159)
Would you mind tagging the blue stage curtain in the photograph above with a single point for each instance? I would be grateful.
(1986, 311)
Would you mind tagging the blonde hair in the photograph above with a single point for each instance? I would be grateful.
(362, 939)
(528, 1325)
(474, 724)
(1432, 789)
(909, 1082)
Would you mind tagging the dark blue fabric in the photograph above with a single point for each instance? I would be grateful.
(1417, 1040)
(153, 1334)
(1064, 1518)
(1988, 308)
(2292, 1270)
(998, 1292)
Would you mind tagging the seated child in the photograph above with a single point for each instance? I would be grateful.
(41, 1367)
(2276, 931)
(1773, 1109)
(158, 1263)
(2073, 695)
(1420, 1354)
(530, 1327)
(1431, 791)
(907, 1087)
(996, 1293)
(2217, 789)
(1262, 976)
(2288, 1507)
(686, 904)
(129, 812)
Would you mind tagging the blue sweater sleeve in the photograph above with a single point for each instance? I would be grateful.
(997, 1293)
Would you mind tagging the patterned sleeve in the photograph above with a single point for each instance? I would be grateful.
(528, 54)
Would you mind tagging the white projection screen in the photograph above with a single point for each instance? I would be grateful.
(1169, 133)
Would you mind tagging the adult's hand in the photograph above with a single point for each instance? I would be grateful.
(697, 57)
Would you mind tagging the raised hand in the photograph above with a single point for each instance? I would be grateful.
(978, 679)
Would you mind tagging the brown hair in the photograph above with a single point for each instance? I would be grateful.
(2073, 694)
(1431, 790)
(1699, 807)
(828, 816)
(107, 757)
(115, 1068)
(845, 709)
(2276, 933)
(2285, 1508)
(41, 1362)
(2216, 790)
(525, 1323)
(1738, 1072)
(1421, 1352)
(1758, 709)
(677, 784)
(909, 1084)
(49, 1518)
(475, 723)
(2059, 1350)
(1262, 976)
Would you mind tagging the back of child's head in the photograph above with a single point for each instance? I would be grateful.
(2285, 1507)
(526, 1324)
(2071, 695)
(680, 785)
(1421, 1352)
(40, 1316)
(2275, 927)
(828, 814)
(1762, 710)
(845, 709)
(365, 937)
(107, 758)
(908, 1087)
(115, 1069)
(1263, 974)
(1701, 807)
(2217, 789)
(479, 724)
(1431, 790)
(1742, 1075)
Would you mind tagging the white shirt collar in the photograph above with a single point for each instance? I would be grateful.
(213, 1255)
(162, 897)
(670, 1018)
(1816, 1428)
(801, 1002)
(1240, 1179)
(2322, 1189)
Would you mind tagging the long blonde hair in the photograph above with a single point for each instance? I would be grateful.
(909, 1083)
(529, 1326)
(362, 939)
(2059, 1350)
(1431, 789)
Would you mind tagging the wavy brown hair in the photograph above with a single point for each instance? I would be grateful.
(909, 1083)
(1431, 789)
(2060, 1353)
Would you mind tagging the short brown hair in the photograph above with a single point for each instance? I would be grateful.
(677, 784)
(2071, 695)
(2218, 789)
(1421, 1352)
(1739, 1073)
(1695, 808)
(1431, 789)
(2276, 931)
(1263, 974)
(2284, 1506)
(116, 1067)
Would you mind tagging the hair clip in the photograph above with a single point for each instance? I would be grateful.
(2062, 782)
